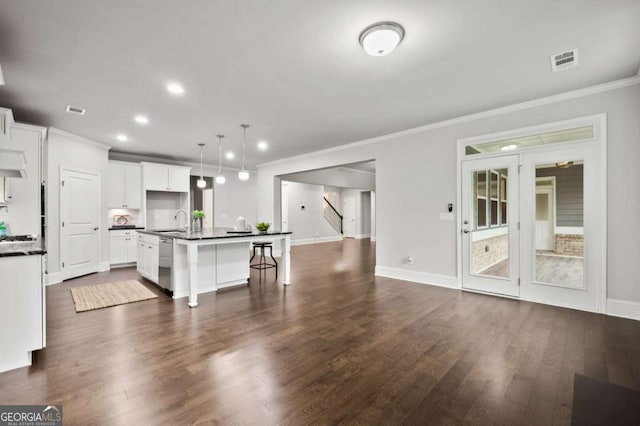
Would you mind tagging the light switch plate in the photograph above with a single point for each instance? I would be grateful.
(446, 217)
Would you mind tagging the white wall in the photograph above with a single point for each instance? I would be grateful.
(308, 224)
(337, 177)
(67, 150)
(334, 195)
(22, 215)
(365, 214)
(416, 179)
(236, 198)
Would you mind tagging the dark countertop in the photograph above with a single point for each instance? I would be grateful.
(23, 248)
(209, 234)
(134, 228)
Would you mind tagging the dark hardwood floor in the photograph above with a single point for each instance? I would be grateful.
(337, 346)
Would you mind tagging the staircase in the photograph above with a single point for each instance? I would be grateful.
(332, 216)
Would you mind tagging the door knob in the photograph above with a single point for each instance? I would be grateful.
(96, 228)
(466, 231)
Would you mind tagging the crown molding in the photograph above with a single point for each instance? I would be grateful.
(62, 133)
(587, 91)
(137, 158)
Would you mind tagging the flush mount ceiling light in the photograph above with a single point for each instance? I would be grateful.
(230, 155)
(122, 137)
(175, 88)
(381, 38)
(220, 179)
(243, 174)
(141, 119)
(510, 147)
(201, 182)
(262, 146)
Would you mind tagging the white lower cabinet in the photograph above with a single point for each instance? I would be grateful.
(123, 246)
(22, 310)
(148, 255)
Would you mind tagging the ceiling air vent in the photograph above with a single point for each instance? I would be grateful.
(564, 60)
(75, 110)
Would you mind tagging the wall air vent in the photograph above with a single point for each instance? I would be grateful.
(564, 60)
(75, 110)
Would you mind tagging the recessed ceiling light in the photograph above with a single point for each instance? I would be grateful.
(141, 119)
(229, 155)
(122, 137)
(175, 88)
(508, 147)
(381, 38)
(262, 145)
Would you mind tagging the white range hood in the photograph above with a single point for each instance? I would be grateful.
(13, 163)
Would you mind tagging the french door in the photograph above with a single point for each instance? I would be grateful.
(490, 237)
(533, 226)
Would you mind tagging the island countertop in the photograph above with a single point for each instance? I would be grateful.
(23, 248)
(209, 233)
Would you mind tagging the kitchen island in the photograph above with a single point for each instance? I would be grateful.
(23, 305)
(212, 259)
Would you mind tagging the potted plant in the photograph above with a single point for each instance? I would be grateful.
(198, 215)
(3, 229)
(263, 227)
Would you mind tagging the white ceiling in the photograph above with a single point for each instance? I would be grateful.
(294, 69)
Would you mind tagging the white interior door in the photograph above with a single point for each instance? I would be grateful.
(207, 207)
(490, 242)
(79, 228)
(349, 216)
(545, 218)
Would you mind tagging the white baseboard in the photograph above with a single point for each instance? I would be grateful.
(53, 278)
(123, 265)
(104, 266)
(417, 277)
(373, 238)
(623, 309)
(316, 240)
(361, 236)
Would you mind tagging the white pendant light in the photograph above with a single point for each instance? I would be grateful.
(220, 179)
(201, 182)
(381, 38)
(243, 174)
(1, 77)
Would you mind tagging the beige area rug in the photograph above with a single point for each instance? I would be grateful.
(101, 296)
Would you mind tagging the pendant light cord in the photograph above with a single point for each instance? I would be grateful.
(220, 155)
(244, 143)
(201, 160)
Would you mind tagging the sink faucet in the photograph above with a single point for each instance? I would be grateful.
(186, 220)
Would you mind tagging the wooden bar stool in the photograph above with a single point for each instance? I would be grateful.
(262, 262)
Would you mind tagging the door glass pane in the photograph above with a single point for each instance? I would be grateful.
(557, 136)
(493, 189)
(480, 198)
(489, 234)
(559, 224)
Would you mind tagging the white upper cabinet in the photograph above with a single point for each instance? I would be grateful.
(163, 177)
(124, 185)
(179, 179)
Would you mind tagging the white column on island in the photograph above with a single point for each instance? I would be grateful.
(192, 258)
(286, 259)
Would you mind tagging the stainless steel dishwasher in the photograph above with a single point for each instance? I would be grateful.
(165, 264)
